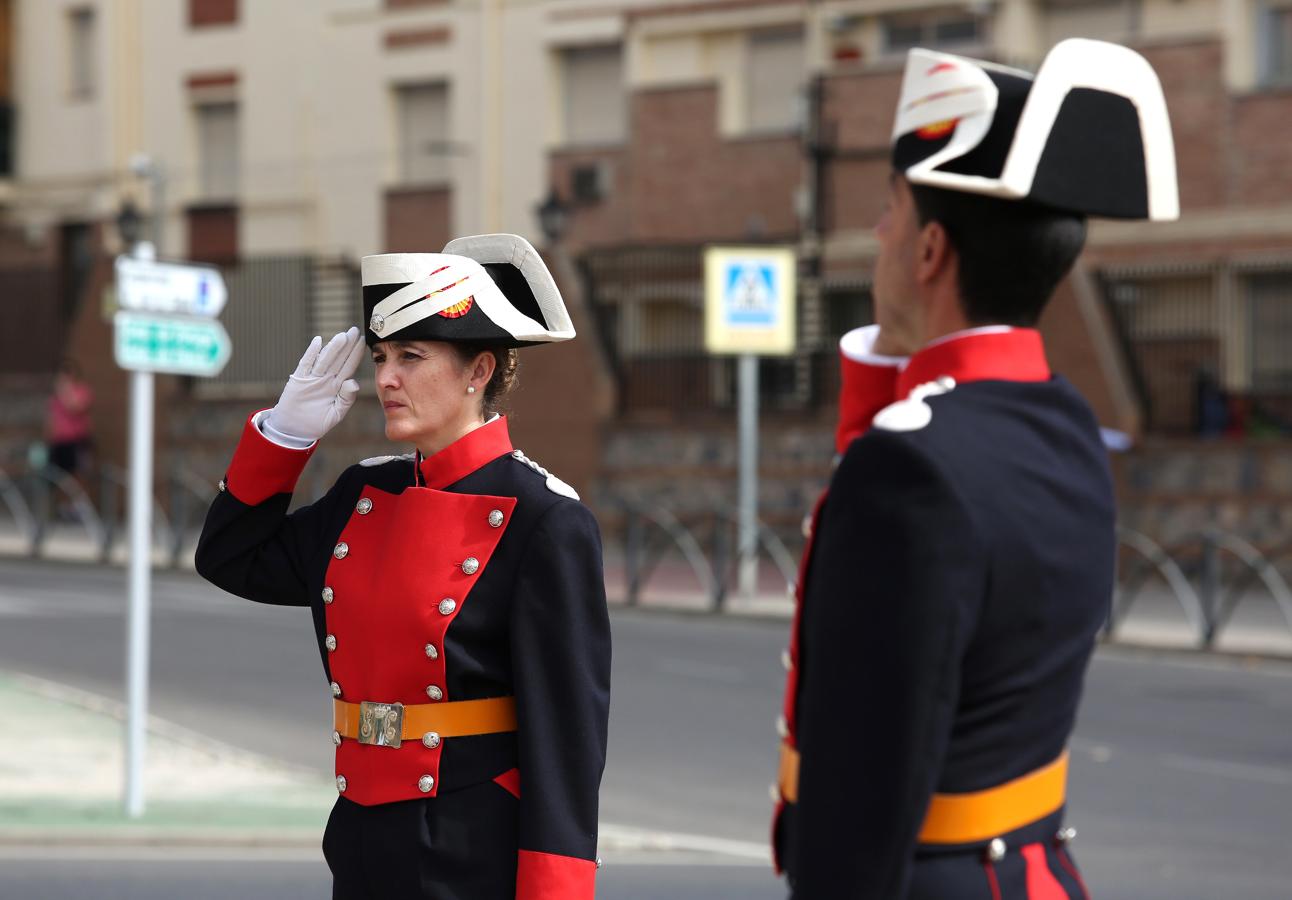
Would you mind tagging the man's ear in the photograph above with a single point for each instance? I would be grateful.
(933, 252)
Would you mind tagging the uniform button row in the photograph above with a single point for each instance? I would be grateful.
(496, 516)
(425, 784)
(470, 565)
(430, 740)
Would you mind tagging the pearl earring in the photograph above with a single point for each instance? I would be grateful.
(471, 388)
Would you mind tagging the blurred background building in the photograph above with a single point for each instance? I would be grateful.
(283, 140)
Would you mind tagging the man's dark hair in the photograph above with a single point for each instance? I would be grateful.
(1012, 254)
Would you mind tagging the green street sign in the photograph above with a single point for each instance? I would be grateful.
(179, 345)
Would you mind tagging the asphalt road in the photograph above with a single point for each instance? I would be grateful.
(1181, 780)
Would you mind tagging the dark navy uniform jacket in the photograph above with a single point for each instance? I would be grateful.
(960, 568)
(469, 575)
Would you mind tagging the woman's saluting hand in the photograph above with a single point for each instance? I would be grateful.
(321, 390)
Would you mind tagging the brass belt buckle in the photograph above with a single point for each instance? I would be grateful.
(381, 724)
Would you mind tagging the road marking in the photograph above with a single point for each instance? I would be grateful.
(625, 838)
(1239, 771)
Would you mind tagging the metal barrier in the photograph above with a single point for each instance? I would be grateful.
(1126, 590)
(1208, 609)
(713, 572)
(17, 505)
(48, 480)
(725, 565)
(38, 496)
(638, 547)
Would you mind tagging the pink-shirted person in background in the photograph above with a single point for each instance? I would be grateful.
(69, 430)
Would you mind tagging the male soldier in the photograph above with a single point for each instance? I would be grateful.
(961, 563)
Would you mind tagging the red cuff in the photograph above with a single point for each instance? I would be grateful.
(547, 876)
(866, 390)
(260, 468)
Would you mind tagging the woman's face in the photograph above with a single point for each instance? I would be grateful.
(422, 386)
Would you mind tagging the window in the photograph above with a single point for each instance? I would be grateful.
(1170, 325)
(776, 78)
(596, 108)
(217, 135)
(212, 12)
(423, 111)
(1274, 48)
(1271, 331)
(939, 30)
(1104, 20)
(81, 55)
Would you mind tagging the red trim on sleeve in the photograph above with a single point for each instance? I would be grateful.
(548, 876)
(510, 782)
(260, 468)
(1041, 883)
(866, 389)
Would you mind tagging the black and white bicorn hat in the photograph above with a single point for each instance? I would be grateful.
(487, 289)
(1089, 133)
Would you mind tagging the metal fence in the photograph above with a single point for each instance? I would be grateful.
(276, 304)
(649, 307)
(1209, 345)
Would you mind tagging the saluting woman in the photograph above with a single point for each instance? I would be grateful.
(456, 591)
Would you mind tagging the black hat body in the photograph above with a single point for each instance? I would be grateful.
(487, 289)
(1088, 134)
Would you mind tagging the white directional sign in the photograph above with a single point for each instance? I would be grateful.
(149, 286)
(179, 345)
(749, 300)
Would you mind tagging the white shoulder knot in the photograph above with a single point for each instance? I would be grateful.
(913, 413)
(382, 460)
(554, 484)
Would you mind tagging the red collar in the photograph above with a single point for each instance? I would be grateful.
(1014, 355)
(468, 453)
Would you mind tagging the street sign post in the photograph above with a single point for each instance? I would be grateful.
(166, 323)
(183, 288)
(750, 311)
(178, 345)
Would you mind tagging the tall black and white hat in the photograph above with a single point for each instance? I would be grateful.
(486, 289)
(1089, 133)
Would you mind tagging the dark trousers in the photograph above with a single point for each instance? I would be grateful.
(460, 846)
(1041, 871)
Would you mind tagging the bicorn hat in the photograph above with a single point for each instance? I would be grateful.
(1088, 134)
(486, 289)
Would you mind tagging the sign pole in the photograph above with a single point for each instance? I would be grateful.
(139, 513)
(747, 505)
(166, 323)
(749, 312)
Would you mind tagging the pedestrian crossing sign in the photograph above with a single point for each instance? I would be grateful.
(749, 300)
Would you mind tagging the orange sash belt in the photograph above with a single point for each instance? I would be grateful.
(975, 816)
(458, 718)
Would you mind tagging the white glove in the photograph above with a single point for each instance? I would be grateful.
(320, 392)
